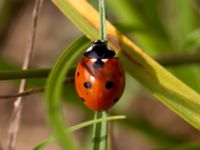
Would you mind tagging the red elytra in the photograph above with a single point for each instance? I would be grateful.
(99, 78)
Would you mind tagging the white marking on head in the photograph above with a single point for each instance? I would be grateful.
(89, 49)
(93, 60)
(104, 60)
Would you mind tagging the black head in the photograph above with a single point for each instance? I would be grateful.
(99, 50)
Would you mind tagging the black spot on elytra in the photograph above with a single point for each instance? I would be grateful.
(116, 99)
(87, 85)
(78, 74)
(98, 63)
(82, 99)
(109, 84)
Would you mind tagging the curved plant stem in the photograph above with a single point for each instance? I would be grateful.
(54, 87)
(50, 139)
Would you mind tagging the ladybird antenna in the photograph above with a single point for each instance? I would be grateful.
(102, 20)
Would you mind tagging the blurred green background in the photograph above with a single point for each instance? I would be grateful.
(160, 27)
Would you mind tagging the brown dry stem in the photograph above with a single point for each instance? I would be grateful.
(18, 103)
(31, 91)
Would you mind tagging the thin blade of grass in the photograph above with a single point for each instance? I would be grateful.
(54, 89)
(163, 85)
(51, 139)
(100, 132)
(20, 74)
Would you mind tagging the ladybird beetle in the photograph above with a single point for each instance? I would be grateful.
(99, 77)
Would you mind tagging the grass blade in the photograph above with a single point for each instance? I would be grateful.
(163, 85)
(100, 132)
(54, 86)
(51, 139)
(20, 74)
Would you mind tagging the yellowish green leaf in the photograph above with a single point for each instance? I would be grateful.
(163, 85)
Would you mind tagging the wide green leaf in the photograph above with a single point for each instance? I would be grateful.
(163, 85)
